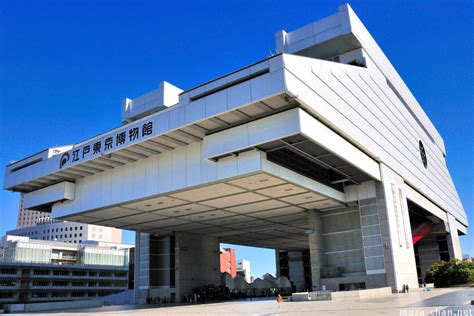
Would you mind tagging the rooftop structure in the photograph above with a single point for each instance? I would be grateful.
(64, 231)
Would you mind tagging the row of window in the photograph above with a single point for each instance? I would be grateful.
(74, 273)
(60, 236)
(61, 229)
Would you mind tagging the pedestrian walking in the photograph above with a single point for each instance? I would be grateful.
(279, 300)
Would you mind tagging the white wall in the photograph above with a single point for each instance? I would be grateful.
(172, 170)
(400, 244)
(358, 103)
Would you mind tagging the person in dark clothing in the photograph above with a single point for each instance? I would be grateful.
(407, 288)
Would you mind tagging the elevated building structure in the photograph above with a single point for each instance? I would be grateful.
(320, 149)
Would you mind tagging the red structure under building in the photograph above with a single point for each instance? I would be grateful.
(228, 263)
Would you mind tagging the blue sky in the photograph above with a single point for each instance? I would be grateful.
(65, 66)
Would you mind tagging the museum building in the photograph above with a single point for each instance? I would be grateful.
(319, 151)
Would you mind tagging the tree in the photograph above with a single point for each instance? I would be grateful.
(453, 272)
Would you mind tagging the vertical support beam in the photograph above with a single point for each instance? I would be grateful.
(316, 247)
(428, 253)
(454, 245)
(197, 263)
(141, 271)
(136, 268)
(296, 270)
(277, 263)
(370, 228)
(399, 254)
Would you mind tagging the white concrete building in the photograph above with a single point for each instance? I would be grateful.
(243, 268)
(69, 232)
(320, 149)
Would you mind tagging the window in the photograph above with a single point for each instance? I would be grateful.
(79, 273)
(40, 283)
(7, 271)
(80, 228)
(75, 228)
(6, 295)
(60, 272)
(78, 283)
(39, 294)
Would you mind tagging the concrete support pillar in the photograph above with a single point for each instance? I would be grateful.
(296, 270)
(197, 263)
(454, 245)
(136, 271)
(316, 247)
(277, 263)
(399, 255)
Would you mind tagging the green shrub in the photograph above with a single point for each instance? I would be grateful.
(453, 272)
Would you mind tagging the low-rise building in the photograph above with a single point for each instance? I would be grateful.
(243, 269)
(228, 262)
(37, 270)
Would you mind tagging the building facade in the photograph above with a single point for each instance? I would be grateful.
(28, 218)
(228, 262)
(320, 149)
(39, 271)
(70, 232)
(243, 268)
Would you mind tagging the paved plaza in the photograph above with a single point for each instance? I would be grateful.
(437, 302)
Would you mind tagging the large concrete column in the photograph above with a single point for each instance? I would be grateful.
(197, 263)
(136, 268)
(277, 263)
(154, 267)
(296, 270)
(399, 255)
(316, 247)
(454, 245)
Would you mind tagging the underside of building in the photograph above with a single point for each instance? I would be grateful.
(320, 152)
